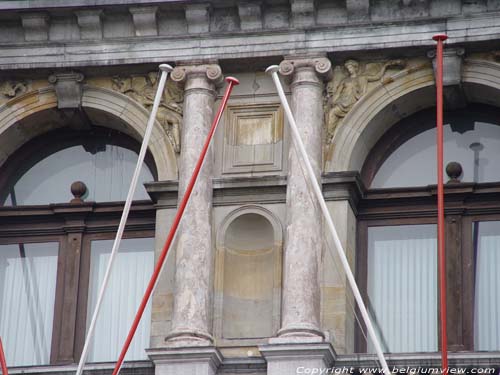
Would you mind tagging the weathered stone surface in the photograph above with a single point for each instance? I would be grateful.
(174, 361)
(142, 88)
(90, 23)
(68, 88)
(297, 358)
(302, 13)
(198, 18)
(191, 323)
(250, 15)
(358, 10)
(144, 20)
(347, 87)
(36, 26)
(301, 289)
(337, 315)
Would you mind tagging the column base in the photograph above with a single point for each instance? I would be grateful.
(175, 361)
(298, 333)
(188, 338)
(298, 358)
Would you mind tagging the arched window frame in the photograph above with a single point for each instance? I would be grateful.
(73, 225)
(465, 203)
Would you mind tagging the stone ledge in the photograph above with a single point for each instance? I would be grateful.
(462, 359)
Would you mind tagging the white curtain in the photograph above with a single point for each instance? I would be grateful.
(402, 287)
(131, 272)
(27, 293)
(487, 295)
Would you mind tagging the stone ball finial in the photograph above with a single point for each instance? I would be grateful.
(454, 171)
(78, 189)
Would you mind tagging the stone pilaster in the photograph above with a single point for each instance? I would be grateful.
(194, 254)
(301, 284)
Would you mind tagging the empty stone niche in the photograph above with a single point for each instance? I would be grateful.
(253, 139)
(248, 276)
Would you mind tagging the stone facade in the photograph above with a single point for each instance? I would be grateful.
(351, 70)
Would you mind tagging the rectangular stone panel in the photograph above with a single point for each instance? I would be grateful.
(253, 139)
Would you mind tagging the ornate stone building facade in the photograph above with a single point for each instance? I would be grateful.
(250, 286)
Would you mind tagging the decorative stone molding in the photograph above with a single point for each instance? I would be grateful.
(68, 88)
(302, 13)
(142, 88)
(454, 96)
(321, 65)
(250, 15)
(358, 10)
(452, 65)
(22, 116)
(144, 20)
(11, 89)
(253, 139)
(198, 18)
(90, 23)
(212, 72)
(350, 82)
(36, 26)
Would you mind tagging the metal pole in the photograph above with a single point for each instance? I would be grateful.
(273, 70)
(159, 264)
(3, 362)
(440, 38)
(165, 69)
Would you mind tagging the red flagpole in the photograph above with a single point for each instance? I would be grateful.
(3, 362)
(440, 38)
(159, 264)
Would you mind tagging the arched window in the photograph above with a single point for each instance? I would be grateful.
(55, 241)
(397, 232)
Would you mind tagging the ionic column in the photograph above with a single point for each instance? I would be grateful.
(301, 284)
(194, 253)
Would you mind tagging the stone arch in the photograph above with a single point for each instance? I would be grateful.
(376, 112)
(386, 104)
(243, 292)
(33, 114)
(254, 209)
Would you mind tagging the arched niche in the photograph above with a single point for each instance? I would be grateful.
(387, 104)
(248, 275)
(35, 113)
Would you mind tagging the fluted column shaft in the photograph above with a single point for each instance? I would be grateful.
(301, 286)
(194, 252)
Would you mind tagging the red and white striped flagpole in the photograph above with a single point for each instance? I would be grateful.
(3, 362)
(440, 38)
(180, 211)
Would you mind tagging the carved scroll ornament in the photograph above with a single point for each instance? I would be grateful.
(143, 89)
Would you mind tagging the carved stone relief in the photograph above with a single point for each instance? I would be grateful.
(350, 82)
(143, 89)
(11, 89)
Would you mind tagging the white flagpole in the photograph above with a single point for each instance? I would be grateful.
(273, 71)
(165, 69)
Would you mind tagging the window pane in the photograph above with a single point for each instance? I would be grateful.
(402, 287)
(27, 293)
(487, 295)
(131, 272)
(107, 175)
(414, 162)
